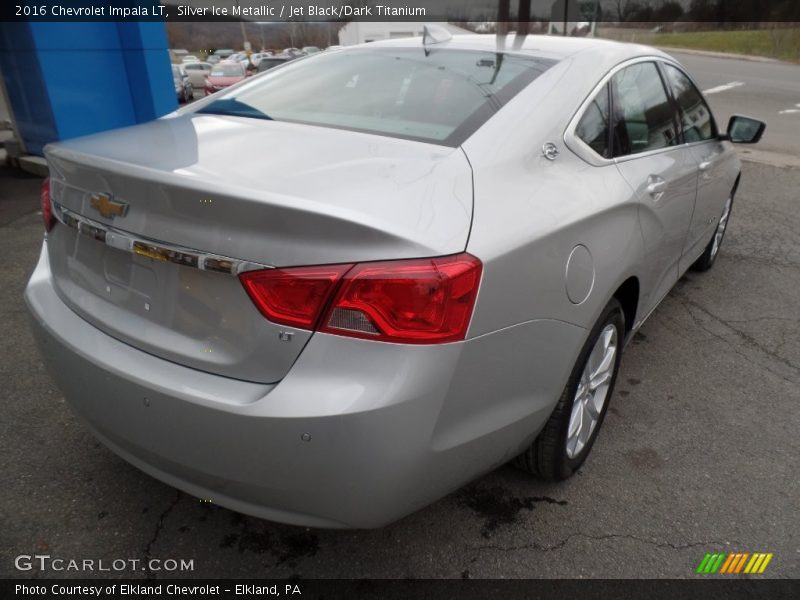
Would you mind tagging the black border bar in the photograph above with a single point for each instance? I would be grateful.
(403, 589)
(625, 11)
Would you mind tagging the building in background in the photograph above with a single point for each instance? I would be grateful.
(359, 32)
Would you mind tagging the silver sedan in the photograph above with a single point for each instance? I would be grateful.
(423, 263)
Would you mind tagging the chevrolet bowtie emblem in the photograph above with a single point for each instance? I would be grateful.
(109, 208)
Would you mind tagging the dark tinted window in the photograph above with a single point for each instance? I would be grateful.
(696, 119)
(268, 63)
(643, 117)
(435, 95)
(593, 126)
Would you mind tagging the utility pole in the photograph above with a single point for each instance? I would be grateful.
(246, 44)
(595, 17)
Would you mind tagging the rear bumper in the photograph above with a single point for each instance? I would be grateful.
(391, 427)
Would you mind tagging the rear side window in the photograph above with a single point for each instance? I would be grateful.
(434, 95)
(643, 116)
(593, 127)
(696, 119)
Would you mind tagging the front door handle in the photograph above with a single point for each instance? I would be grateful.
(656, 186)
(707, 163)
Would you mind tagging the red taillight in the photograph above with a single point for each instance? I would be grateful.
(419, 301)
(422, 301)
(295, 296)
(47, 207)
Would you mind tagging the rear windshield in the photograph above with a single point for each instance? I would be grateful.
(432, 95)
(229, 70)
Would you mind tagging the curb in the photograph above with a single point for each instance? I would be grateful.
(771, 158)
(35, 165)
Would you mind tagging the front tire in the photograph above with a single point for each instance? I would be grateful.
(567, 438)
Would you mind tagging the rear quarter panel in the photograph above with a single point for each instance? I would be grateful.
(530, 212)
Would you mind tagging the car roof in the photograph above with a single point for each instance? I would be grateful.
(542, 46)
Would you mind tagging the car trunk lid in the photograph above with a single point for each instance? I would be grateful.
(224, 194)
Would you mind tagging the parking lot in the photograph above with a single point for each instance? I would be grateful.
(699, 452)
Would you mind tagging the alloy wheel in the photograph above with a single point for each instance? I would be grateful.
(592, 392)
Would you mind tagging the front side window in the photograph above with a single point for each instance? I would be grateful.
(696, 119)
(433, 95)
(593, 126)
(643, 116)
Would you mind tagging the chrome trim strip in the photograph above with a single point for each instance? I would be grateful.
(585, 152)
(154, 250)
(577, 145)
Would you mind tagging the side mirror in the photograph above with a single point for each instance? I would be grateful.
(744, 130)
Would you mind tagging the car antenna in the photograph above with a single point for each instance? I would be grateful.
(435, 34)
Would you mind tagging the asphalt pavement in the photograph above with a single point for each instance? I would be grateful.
(699, 452)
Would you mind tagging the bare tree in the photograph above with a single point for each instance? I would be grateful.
(623, 9)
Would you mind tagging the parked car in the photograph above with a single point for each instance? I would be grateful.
(222, 75)
(257, 57)
(293, 52)
(265, 64)
(247, 59)
(178, 53)
(223, 53)
(310, 50)
(213, 59)
(435, 273)
(190, 59)
(183, 85)
(198, 72)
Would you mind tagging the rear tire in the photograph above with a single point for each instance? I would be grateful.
(563, 445)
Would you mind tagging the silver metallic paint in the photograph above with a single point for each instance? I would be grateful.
(392, 426)
(310, 195)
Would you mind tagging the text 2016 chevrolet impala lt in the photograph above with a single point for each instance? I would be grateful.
(335, 292)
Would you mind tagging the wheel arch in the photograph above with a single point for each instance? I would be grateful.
(736, 183)
(627, 294)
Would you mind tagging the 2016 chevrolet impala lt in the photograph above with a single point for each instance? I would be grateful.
(336, 291)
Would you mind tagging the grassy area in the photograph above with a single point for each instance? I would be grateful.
(774, 43)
